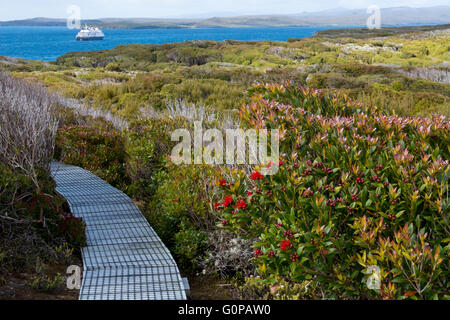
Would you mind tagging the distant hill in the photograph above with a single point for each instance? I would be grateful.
(334, 17)
(364, 33)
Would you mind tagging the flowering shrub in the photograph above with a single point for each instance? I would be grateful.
(180, 210)
(355, 188)
(73, 228)
(99, 150)
(32, 219)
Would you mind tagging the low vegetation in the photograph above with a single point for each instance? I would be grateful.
(356, 188)
(34, 219)
(363, 180)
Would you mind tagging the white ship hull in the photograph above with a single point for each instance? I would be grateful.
(89, 34)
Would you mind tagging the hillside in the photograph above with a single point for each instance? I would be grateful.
(405, 71)
(337, 17)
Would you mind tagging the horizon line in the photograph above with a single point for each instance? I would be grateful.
(232, 15)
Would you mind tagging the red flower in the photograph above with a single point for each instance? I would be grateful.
(257, 253)
(331, 203)
(225, 223)
(288, 234)
(280, 163)
(222, 182)
(217, 206)
(285, 244)
(241, 204)
(256, 175)
(359, 180)
(227, 201)
(249, 193)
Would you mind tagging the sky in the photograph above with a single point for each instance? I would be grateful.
(23, 9)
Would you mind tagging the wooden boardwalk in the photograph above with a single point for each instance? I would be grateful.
(124, 258)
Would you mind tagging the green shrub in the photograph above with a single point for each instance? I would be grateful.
(334, 80)
(190, 246)
(47, 284)
(148, 145)
(99, 150)
(32, 222)
(113, 67)
(212, 93)
(397, 85)
(356, 189)
(181, 213)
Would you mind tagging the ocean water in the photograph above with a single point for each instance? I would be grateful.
(48, 43)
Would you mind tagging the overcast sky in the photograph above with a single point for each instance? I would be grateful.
(22, 9)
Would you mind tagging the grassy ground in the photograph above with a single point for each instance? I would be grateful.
(18, 286)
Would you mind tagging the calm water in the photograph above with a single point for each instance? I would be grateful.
(48, 43)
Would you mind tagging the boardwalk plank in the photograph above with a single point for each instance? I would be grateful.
(124, 258)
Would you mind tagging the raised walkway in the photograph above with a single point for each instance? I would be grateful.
(124, 258)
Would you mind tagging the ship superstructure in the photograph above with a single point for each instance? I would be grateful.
(90, 33)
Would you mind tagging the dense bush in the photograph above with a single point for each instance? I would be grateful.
(181, 212)
(404, 102)
(217, 93)
(34, 219)
(99, 150)
(148, 145)
(33, 222)
(355, 189)
(334, 80)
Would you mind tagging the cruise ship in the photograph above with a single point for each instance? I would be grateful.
(90, 33)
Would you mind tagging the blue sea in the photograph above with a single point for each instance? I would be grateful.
(48, 43)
